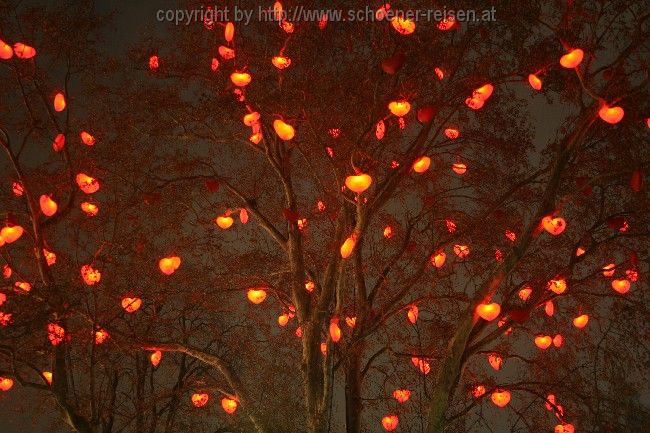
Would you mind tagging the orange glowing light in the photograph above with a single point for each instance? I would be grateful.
(402, 395)
(87, 184)
(240, 79)
(488, 312)
(438, 259)
(535, 82)
(89, 209)
(59, 102)
(90, 275)
(581, 321)
(500, 398)
(200, 399)
(421, 164)
(281, 62)
(284, 130)
(389, 422)
(611, 115)
(399, 108)
(48, 206)
(256, 295)
(87, 138)
(169, 265)
(131, 305)
(543, 341)
(358, 183)
(224, 222)
(229, 405)
(572, 58)
(553, 225)
(155, 358)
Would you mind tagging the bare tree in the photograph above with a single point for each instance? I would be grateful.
(299, 218)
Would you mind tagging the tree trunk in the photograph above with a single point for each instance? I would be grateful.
(353, 403)
(447, 378)
(312, 372)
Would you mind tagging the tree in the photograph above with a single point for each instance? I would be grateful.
(297, 219)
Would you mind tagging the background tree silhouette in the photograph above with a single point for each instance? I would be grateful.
(502, 175)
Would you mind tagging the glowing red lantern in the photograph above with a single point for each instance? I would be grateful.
(155, 358)
(200, 399)
(59, 143)
(500, 398)
(48, 206)
(622, 286)
(59, 102)
(488, 312)
(50, 257)
(557, 285)
(335, 331)
(23, 285)
(229, 32)
(421, 164)
(284, 130)
(549, 308)
(256, 295)
(11, 233)
(402, 395)
(543, 341)
(87, 184)
(412, 314)
(438, 259)
(281, 62)
(6, 384)
(524, 293)
(495, 360)
(90, 275)
(459, 168)
(553, 225)
(403, 26)
(581, 321)
(224, 221)
(461, 251)
(564, 428)
(169, 265)
(131, 305)
(358, 183)
(447, 23)
(153, 62)
(55, 333)
(611, 115)
(452, 133)
(572, 59)
(87, 138)
(89, 209)
(240, 79)
(6, 52)
(399, 108)
(226, 53)
(229, 405)
(101, 335)
(478, 391)
(609, 269)
(23, 51)
(348, 247)
(535, 82)
(390, 422)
